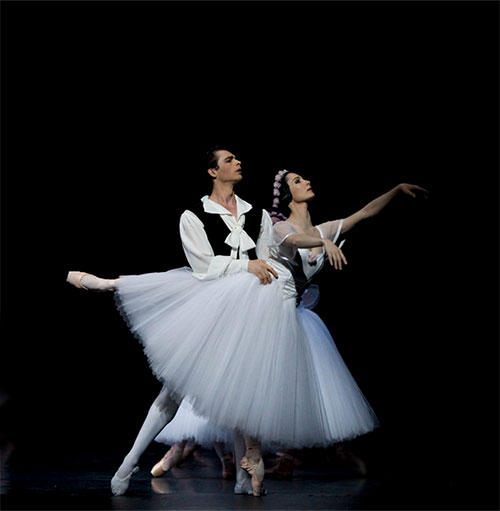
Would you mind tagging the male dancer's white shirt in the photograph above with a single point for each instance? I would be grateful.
(199, 253)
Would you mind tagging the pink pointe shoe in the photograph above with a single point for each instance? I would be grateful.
(255, 467)
(75, 278)
(171, 459)
(94, 283)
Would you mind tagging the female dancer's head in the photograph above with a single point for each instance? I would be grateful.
(289, 188)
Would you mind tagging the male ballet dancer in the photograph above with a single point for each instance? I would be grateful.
(210, 231)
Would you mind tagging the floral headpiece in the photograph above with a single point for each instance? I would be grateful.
(276, 193)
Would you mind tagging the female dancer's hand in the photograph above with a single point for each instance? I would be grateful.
(262, 270)
(335, 255)
(409, 189)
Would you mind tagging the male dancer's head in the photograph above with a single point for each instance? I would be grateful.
(223, 167)
(225, 170)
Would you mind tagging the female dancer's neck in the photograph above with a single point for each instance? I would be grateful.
(299, 215)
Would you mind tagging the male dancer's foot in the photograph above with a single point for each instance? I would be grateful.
(119, 485)
(159, 415)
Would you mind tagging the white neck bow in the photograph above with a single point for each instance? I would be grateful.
(239, 238)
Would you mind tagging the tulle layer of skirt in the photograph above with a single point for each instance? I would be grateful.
(186, 425)
(246, 359)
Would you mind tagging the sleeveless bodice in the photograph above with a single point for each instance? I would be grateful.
(296, 269)
(295, 274)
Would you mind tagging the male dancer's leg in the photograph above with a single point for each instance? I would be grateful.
(162, 411)
(243, 484)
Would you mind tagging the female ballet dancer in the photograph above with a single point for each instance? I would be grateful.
(235, 362)
(297, 252)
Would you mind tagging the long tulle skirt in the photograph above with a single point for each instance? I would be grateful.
(245, 358)
(187, 425)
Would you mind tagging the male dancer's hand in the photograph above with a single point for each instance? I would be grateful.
(262, 270)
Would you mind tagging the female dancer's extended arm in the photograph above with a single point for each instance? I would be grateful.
(375, 206)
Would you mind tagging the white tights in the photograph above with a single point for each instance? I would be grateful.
(162, 411)
(242, 476)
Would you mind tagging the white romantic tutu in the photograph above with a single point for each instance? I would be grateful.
(246, 359)
(186, 425)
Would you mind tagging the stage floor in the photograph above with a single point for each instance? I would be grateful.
(82, 482)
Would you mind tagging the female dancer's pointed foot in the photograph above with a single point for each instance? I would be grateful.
(75, 278)
(90, 282)
(120, 486)
(255, 467)
(171, 459)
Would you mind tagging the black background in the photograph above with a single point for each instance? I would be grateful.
(107, 109)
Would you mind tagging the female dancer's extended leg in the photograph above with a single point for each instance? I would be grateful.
(90, 282)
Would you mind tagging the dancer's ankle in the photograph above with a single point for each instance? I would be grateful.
(253, 452)
(97, 284)
(126, 467)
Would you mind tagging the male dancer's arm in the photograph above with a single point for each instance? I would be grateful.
(199, 253)
(208, 266)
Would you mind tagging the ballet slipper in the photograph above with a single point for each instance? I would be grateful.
(244, 488)
(120, 486)
(75, 278)
(171, 459)
(255, 467)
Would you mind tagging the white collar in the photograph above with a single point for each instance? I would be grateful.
(210, 206)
